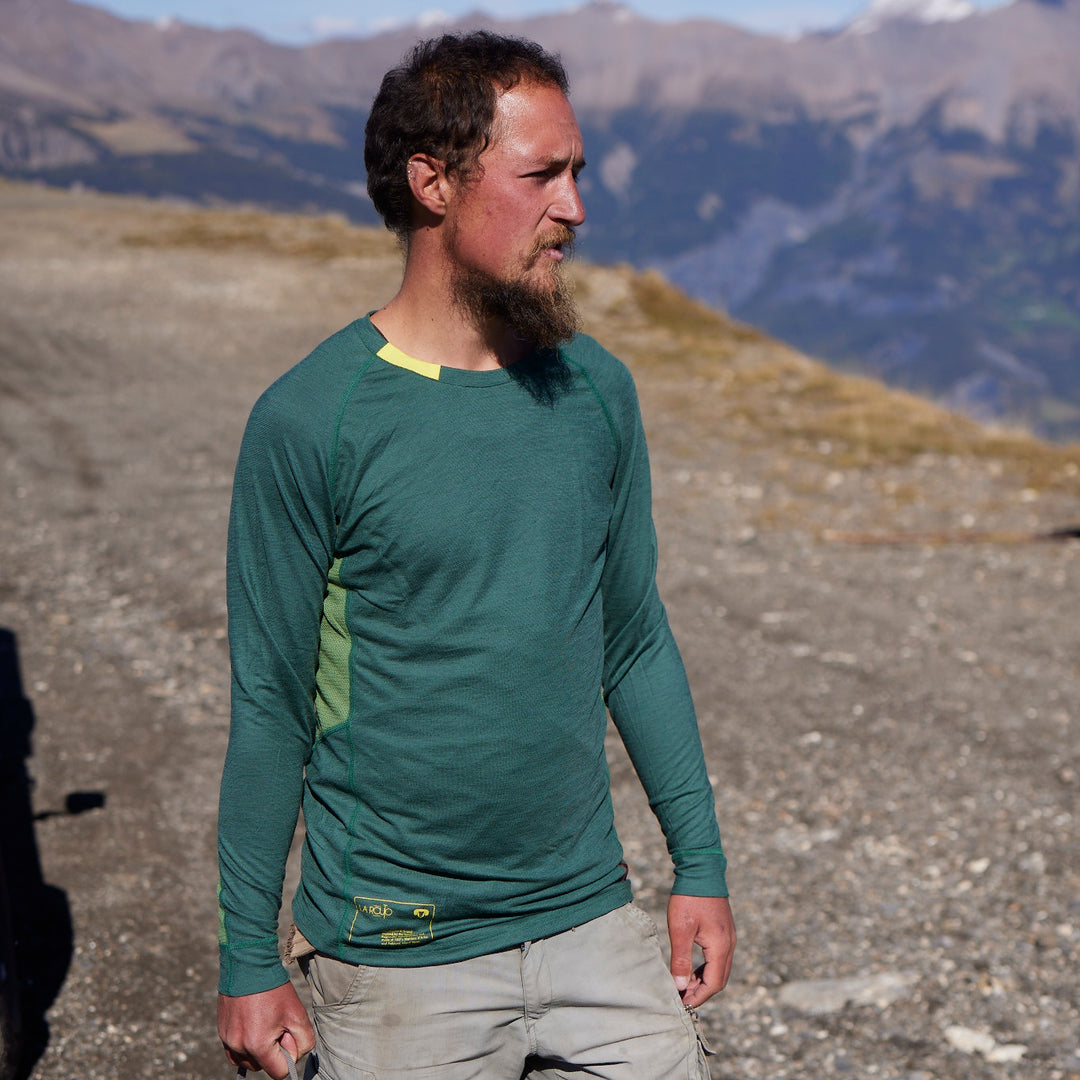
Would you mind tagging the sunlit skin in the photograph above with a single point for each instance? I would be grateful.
(522, 193)
(511, 218)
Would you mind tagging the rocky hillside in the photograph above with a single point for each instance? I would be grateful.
(879, 632)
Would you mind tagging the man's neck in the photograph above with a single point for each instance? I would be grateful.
(447, 336)
(425, 321)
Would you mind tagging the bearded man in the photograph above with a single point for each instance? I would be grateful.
(441, 571)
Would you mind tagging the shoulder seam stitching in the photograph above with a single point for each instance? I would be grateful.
(337, 433)
(603, 406)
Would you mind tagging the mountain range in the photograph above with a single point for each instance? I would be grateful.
(900, 196)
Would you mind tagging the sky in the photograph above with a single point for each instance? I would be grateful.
(297, 22)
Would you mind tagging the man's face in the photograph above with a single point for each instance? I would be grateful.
(510, 223)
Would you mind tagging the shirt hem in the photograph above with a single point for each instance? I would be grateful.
(464, 945)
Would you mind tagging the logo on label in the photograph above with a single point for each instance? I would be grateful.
(377, 911)
(391, 922)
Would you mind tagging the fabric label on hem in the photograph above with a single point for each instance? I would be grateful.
(391, 922)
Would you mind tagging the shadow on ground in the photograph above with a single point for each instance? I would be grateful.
(35, 922)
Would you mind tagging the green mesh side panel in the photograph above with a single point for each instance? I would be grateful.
(222, 933)
(332, 679)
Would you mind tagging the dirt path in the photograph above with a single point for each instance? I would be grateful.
(893, 729)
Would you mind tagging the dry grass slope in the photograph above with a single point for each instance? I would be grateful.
(802, 406)
(750, 384)
(321, 238)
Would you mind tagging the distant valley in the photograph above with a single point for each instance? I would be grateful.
(901, 197)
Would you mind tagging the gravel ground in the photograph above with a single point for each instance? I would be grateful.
(892, 728)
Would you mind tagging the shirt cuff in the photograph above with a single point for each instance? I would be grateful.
(700, 872)
(251, 968)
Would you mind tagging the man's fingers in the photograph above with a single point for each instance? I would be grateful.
(243, 1062)
(288, 1045)
(729, 956)
(700, 989)
(302, 1039)
(284, 1064)
(712, 976)
(716, 970)
(280, 1061)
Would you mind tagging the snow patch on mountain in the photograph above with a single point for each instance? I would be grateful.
(881, 12)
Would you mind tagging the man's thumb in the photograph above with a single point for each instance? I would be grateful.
(288, 1048)
(682, 968)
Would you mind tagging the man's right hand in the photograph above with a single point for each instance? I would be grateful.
(257, 1030)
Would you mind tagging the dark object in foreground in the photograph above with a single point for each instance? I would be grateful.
(35, 923)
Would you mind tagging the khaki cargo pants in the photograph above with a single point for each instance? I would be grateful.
(595, 1001)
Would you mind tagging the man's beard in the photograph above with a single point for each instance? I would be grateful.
(542, 316)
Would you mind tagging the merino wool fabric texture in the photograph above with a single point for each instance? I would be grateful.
(437, 579)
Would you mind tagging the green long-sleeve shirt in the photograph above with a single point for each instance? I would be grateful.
(436, 580)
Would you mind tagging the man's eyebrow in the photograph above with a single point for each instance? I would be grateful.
(557, 161)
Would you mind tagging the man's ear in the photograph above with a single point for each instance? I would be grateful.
(428, 183)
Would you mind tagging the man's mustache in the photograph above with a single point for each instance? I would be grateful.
(562, 237)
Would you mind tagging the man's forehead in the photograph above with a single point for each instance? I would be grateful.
(534, 112)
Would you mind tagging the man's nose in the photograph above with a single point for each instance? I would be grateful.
(568, 207)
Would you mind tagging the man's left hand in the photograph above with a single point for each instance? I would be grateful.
(705, 921)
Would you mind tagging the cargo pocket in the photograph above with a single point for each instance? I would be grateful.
(335, 983)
